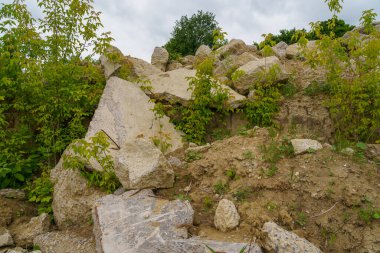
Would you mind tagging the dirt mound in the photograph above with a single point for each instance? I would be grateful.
(326, 197)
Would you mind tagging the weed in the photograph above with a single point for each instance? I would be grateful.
(316, 88)
(273, 152)
(220, 188)
(231, 174)
(248, 155)
(288, 90)
(40, 191)
(272, 171)
(329, 236)
(161, 140)
(271, 206)
(301, 219)
(242, 194)
(220, 134)
(208, 203)
(183, 197)
(369, 214)
(192, 156)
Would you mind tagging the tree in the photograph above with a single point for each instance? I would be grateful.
(49, 84)
(189, 33)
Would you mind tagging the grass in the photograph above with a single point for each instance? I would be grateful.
(220, 188)
(248, 155)
(301, 219)
(208, 203)
(192, 156)
(315, 89)
(242, 194)
(231, 174)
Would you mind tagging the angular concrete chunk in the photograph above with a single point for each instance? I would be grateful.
(226, 216)
(281, 241)
(302, 146)
(138, 222)
(160, 58)
(173, 86)
(140, 165)
(252, 71)
(125, 112)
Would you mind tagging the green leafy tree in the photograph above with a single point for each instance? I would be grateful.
(49, 84)
(189, 33)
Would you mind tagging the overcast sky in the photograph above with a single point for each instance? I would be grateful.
(139, 25)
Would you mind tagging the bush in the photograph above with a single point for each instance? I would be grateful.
(208, 97)
(353, 77)
(190, 33)
(86, 153)
(48, 87)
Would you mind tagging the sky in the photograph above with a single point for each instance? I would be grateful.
(140, 25)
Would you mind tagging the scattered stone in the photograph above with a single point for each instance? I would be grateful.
(281, 241)
(187, 60)
(68, 241)
(251, 73)
(5, 238)
(199, 149)
(12, 194)
(280, 49)
(302, 146)
(73, 198)
(14, 250)
(173, 86)
(142, 68)
(373, 152)
(234, 47)
(173, 65)
(232, 61)
(174, 161)
(140, 164)
(295, 51)
(160, 58)
(202, 52)
(138, 222)
(348, 151)
(24, 234)
(226, 216)
(110, 67)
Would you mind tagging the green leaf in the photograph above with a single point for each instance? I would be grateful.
(19, 177)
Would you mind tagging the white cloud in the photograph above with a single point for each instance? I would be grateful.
(139, 25)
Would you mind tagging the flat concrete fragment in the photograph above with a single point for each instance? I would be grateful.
(139, 222)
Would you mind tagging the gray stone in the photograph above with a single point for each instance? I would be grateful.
(226, 216)
(233, 61)
(160, 58)
(110, 67)
(68, 241)
(199, 149)
(348, 151)
(13, 250)
(252, 71)
(173, 65)
(139, 222)
(234, 47)
(125, 112)
(12, 194)
(24, 234)
(373, 152)
(140, 164)
(203, 51)
(173, 86)
(187, 60)
(73, 198)
(302, 146)
(142, 68)
(280, 49)
(295, 51)
(281, 241)
(5, 238)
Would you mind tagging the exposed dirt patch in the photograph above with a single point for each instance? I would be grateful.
(16, 211)
(321, 196)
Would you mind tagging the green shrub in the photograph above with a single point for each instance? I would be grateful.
(85, 153)
(49, 84)
(40, 191)
(208, 97)
(352, 66)
(220, 188)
